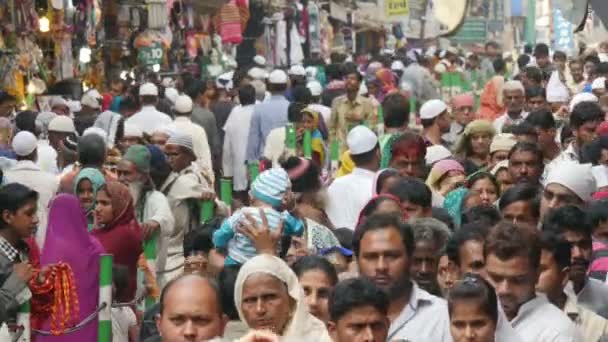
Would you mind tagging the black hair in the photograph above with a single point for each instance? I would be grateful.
(355, 293)
(309, 181)
(26, 121)
(522, 61)
(541, 49)
(301, 94)
(396, 110)
(541, 118)
(364, 158)
(149, 99)
(351, 68)
(523, 128)
(210, 281)
(372, 205)
(484, 214)
(566, 133)
(507, 240)
(474, 287)
(200, 239)
(120, 279)
(247, 95)
(385, 221)
(444, 216)
(568, 217)
(334, 72)
(593, 59)
(315, 262)
(467, 232)
(195, 88)
(559, 248)
(345, 236)
(602, 68)
(521, 192)
(597, 212)
(14, 196)
(499, 65)
(559, 55)
(524, 146)
(534, 73)
(384, 176)
(585, 112)
(227, 283)
(410, 189)
(91, 150)
(483, 175)
(6, 97)
(128, 104)
(492, 44)
(294, 112)
(535, 91)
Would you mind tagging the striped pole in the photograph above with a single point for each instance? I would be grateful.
(104, 333)
(307, 141)
(380, 126)
(335, 157)
(254, 170)
(206, 210)
(226, 191)
(23, 320)
(446, 87)
(413, 110)
(150, 254)
(290, 140)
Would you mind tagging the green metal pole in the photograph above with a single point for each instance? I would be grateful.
(530, 25)
(226, 191)
(206, 210)
(335, 157)
(307, 142)
(413, 109)
(290, 139)
(104, 333)
(150, 254)
(380, 127)
(23, 320)
(254, 170)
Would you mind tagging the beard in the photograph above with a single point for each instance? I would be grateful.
(136, 189)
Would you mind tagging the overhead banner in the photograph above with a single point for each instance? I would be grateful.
(563, 39)
(397, 8)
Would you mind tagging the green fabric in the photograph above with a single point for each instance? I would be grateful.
(386, 143)
(140, 156)
(453, 204)
(95, 177)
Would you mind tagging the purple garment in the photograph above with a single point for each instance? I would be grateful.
(68, 240)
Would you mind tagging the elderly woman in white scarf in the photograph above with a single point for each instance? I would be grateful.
(268, 297)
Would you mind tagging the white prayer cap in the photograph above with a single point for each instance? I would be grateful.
(387, 52)
(578, 178)
(430, 52)
(556, 90)
(148, 89)
(74, 106)
(397, 65)
(453, 50)
(224, 81)
(315, 88)
(133, 131)
(311, 72)
(171, 94)
(63, 124)
(603, 57)
(503, 164)
(58, 101)
(363, 89)
(259, 60)
(600, 174)
(43, 119)
(436, 153)
(297, 70)
(277, 77)
(582, 97)
(168, 130)
(257, 73)
(361, 140)
(181, 139)
(96, 131)
(432, 109)
(599, 83)
(502, 142)
(168, 82)
(183, 104)
(91, 99)
(513, 85)
(24, 143)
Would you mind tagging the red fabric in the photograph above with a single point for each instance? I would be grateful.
(122, 237)
(106, 101)
(602, 129)
(600, 195)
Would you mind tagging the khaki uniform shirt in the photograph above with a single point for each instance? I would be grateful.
(346, 114)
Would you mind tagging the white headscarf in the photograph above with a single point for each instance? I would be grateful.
(574, 176)
(303, 326)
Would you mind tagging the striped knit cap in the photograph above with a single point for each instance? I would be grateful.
(270, 186)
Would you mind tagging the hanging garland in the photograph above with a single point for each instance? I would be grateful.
(56, 297)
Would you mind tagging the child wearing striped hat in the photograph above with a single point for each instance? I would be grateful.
(267, 193)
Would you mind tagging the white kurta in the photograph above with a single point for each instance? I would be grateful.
(347, 195)
(29, 174)
(148, 119)
(504, 119)
(540, 321)
(236, 131)
(201, 144)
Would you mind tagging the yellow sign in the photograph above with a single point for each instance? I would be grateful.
(397, 7)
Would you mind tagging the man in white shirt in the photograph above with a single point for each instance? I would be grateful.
(28, 173)
(183, 123)
(148, 118)
(383, 248)
(514, 100)
(347, 195)
(513, 265)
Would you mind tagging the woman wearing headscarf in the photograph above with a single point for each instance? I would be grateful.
(473, 146)
(315, 239)
(118, 231)
(386, 83)
(445, 176)
(290, 318)
(87, 183)
(69, 242)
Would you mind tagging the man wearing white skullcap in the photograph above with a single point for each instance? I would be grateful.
(568, 182)
(436, 121)
(347, 195)
(90, 108)
(148, 117)
(60, 106)
(132, 135)
(316, 90)
(598, 87)
(183, 123)
(514, 100)
(184, 185)
(28, 173)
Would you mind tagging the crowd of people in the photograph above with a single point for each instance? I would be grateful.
(364, 203)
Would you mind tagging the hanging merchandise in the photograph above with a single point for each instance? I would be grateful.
(151, 46)
(314, 28)
(231, 21)
(213, 67)
(158, 17)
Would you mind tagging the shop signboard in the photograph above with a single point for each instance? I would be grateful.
(150, 55)
(471, 31)
(397, 8)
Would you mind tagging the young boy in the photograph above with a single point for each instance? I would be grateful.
(267, 193)
(18, 220)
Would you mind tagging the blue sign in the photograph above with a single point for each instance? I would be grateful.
(563, 38)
